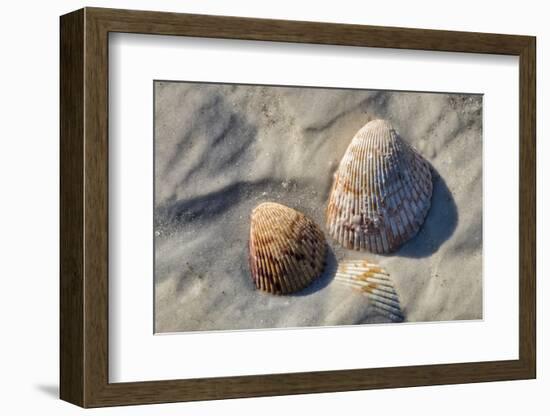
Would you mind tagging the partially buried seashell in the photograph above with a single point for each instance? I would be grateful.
(381, 191)
(374, 282)
(287, 249)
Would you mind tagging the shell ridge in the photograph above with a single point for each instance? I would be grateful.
(379, 208)
(391, 230)
(365, 208)
(370, 213)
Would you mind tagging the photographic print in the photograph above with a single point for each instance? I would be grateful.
(295, 206)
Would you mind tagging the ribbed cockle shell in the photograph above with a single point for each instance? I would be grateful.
(381, 192)
(375, 283)
(287, 249)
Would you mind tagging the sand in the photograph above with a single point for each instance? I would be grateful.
(220, 150)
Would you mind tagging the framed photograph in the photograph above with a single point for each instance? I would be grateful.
(255, 207)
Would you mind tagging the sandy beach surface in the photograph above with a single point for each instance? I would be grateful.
(220, 150)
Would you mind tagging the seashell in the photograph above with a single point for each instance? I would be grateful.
(373, 281)
(287, 249)
(381, 191)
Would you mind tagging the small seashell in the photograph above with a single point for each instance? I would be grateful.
(373, 281)
(287, 249)
(381, 191)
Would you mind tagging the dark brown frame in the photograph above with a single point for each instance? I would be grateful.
(84, 209)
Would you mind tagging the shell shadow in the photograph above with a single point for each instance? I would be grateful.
(326, 277)
(439, 225)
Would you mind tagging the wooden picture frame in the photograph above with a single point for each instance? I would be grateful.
(84, 207)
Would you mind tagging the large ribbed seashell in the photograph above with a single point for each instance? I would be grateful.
(374, 282)
(381, 191)
(287, 249)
